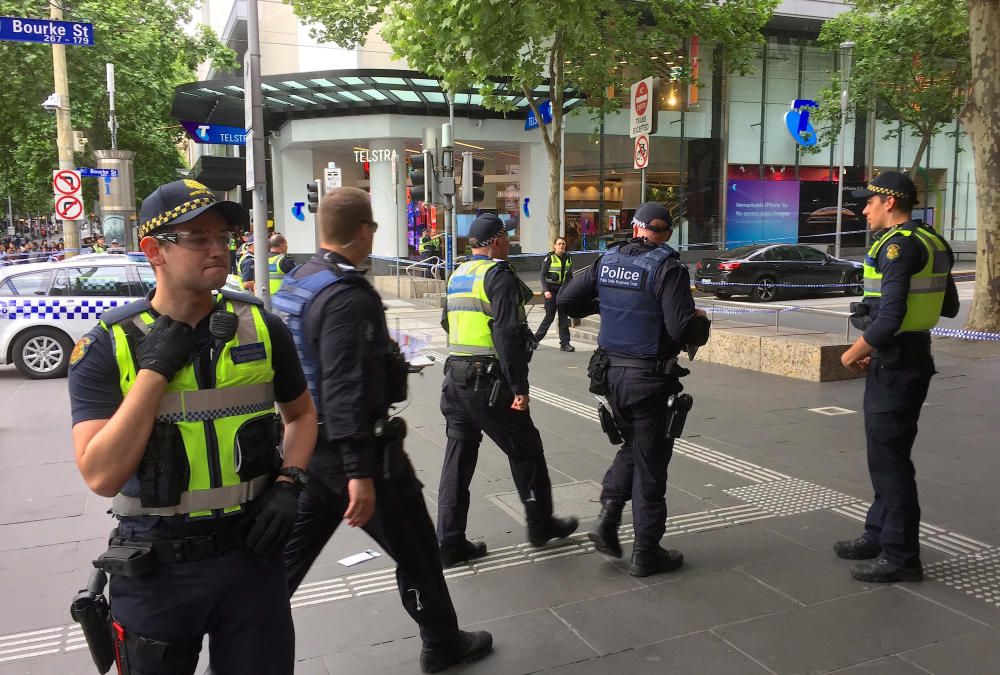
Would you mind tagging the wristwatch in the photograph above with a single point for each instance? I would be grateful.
(299, 476)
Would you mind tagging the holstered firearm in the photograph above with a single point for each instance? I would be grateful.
(90, 610)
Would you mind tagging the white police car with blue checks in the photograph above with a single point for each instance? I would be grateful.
(45, 308)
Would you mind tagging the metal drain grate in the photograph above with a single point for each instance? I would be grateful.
(792, 496)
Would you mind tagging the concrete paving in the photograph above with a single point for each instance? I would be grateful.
(759, 488)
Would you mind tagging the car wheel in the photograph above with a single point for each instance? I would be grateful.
(42, 353)
(765, 290)
(723, 296)
(858, 284)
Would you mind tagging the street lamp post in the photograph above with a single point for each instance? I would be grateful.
(845, 81)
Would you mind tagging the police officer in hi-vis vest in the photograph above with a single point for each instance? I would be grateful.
(278, 264)
(360, 472)
(908, 286)
(557, 270)
(486, 390)
(174, 401)
(648, 316)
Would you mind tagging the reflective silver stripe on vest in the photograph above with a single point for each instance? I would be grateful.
(196, 500)
(917, 285)
(929, 285)
(469, 305)
(210, 404)
(475, 350)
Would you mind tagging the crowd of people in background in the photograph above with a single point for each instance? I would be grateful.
(19, 249)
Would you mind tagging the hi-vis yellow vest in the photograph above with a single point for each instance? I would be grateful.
(469, 310)
(207, 414)
(275, 273)
(560, 268)
(927, 287)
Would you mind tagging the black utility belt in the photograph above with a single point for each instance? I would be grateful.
(134, 558)
(906, 350)
(656, 366)
(463, 368)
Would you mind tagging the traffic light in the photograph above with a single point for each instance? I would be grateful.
(472, 179)
(312, 195)
(422, 177)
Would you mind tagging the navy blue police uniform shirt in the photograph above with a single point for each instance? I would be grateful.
(504, 291)
(898, 260)
(95, 392)
(348, 331)
(673, 289)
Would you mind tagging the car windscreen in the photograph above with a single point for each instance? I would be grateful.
(738, 253)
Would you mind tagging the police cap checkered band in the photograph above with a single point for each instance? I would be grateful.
(890, 184)
(485, 229)
(181, 201)
(650, 211)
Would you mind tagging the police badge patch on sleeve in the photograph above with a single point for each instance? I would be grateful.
(80, 350)
(892, 251)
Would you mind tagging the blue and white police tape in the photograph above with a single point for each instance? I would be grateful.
(965, 334)
(754, 284)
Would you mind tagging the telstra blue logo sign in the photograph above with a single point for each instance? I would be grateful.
(297, 211)
(797, 121)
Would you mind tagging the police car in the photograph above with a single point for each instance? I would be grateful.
(46, 307)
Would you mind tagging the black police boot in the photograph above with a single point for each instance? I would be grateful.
(470, 647)
(884, 572)
(554, 528)
(862, 548)
(452, 554)
(567, 348)
(604, 534)
(646, 561)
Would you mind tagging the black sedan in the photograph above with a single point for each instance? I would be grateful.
(763, 271)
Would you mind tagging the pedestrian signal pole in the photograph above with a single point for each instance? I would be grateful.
(64, 132)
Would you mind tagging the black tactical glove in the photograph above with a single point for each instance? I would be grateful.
(275, 510)
(167, 348)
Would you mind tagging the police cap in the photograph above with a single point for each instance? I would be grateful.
(650, 211)
(890, 184)
(181, 201)
(485, 229)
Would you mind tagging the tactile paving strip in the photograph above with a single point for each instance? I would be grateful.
(791, 496)
(976, 574)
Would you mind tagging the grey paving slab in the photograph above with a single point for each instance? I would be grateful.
(817, 530)
(535, 586)
(696, 653)
(722, 549)
(26, 509)
(810, 577)
(53, 531)
(349, 624)
(40, 602)
(316, 666)
(890, 665)
(62, 663)
(846, 631)
(524, 643)
(974, 652)
(670, 609)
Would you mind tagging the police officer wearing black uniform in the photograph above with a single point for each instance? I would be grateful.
(359, 470)
(557, 270)
(908, 286)
(486, 390)
(173, 400)
(648, 316)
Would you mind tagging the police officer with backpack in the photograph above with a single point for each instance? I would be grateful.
(648, 316)
(359, 471)
(908, 286)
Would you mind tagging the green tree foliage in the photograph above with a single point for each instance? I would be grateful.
(152, 54)
(911, 64)
(509, 48)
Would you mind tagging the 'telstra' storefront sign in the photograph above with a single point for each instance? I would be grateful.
(381, 155)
